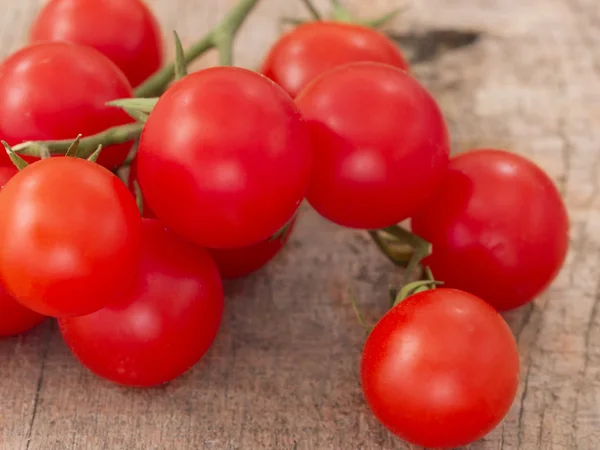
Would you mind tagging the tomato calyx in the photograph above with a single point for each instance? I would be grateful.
(415, 287)
(18, 162)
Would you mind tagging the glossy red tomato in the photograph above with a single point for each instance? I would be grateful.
(58, 90)
(441, 369)
(14, 318)
(133, 177)
(125, 31)
(498, 227)
(240, 262)
(70, 234)
(163, 325)
(224, 159)
(380, 144)
(314, 48)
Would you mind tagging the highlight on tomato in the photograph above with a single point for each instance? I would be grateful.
(240, 262)
(58, 90)
(314, 48)
(125, 31)
(498, 228)
(163, 325)
(440, 369)
(224, 160)
(380, 144)
(70, 234)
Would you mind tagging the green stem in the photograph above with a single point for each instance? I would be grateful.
(225, 46)
(229, 26)
(314, 12)
(87, 146)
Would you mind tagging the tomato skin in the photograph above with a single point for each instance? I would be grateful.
(441, 369)
(224, 160)
(57, 90)
(163, 325)
(240, 262)
(125, 31)
(380, 142)
(133, 177)
(6, 173)
(498, 227)
(314, 48)
(70, 234)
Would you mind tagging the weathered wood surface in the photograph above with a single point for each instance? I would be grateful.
(283, 371)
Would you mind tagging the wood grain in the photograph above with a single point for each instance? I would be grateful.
(283, 373)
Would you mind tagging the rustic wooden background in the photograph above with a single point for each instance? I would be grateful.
(283, 373)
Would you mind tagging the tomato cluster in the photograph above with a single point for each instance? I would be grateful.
(224, 159)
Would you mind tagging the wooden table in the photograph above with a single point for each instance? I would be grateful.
(283, 371)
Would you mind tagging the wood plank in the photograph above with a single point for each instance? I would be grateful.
(283, 372)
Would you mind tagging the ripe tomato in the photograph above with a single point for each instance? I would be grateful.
(125, 31)
(441, 369)
(70, 235)
(133, 177)
(314, 48)
(224, 159)
(14, 318)
(163, 325)
(498, 228)
(58, 90)
(380, 143)
(240, 262)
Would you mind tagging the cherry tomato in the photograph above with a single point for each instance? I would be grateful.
(70, 234)
(314, 48)
(441, 369)
(58, 90)
(380, 143)
(498, 228)
(125, 31)
(14, 318)
(240, 262)
(133, 177)
(224, 159)
(163, 325)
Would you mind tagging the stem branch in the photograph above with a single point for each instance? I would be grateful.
(87, 146)
(221, 36)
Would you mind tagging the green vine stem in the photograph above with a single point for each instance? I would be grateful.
(314, 12)
(221, 37)
(87, 146)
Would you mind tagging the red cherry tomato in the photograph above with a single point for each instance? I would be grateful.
(224, 159)
(70, 234)
(380, 143)
(58, 90)
(133, 177)
(14, 318)
(441, 369)
(498, 227)
(314, 48)
(163, 325)
(240, 262)
(125, 31)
